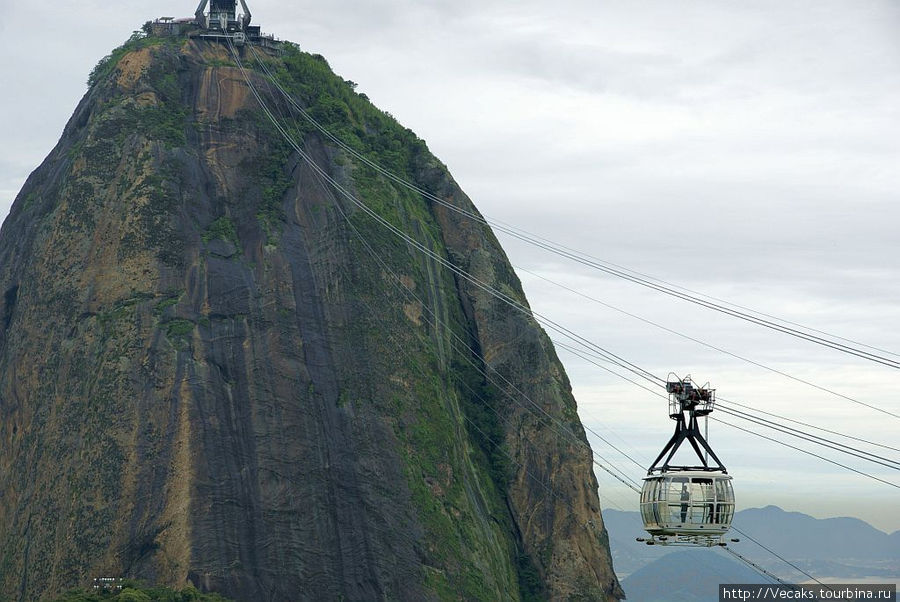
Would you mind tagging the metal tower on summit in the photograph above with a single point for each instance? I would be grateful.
(222, 23)
(222, 15)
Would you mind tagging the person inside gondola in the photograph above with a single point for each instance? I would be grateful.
(685, 498)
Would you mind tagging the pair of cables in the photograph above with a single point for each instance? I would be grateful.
(585, 344)
(595, 349)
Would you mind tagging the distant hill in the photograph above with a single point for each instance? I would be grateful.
(801, 536)
(629, 555)
(842, 548)
(686, 576)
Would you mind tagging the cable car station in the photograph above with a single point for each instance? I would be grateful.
(221, 23)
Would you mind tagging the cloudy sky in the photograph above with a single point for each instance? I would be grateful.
(747, 150)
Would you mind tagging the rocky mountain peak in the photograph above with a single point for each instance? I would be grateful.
(215, 370)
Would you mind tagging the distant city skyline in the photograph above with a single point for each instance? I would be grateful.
(747, 151)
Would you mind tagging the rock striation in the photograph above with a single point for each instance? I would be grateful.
(216, 371)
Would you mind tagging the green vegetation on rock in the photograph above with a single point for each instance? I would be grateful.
(221, 229)
(104, 68)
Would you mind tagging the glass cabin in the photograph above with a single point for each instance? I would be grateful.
(687, 507)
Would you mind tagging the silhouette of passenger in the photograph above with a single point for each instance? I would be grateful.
(685, 498)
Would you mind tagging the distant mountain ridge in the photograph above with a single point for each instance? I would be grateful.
(802, 535)
(843, 547)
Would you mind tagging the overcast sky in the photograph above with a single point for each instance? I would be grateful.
(748, 150)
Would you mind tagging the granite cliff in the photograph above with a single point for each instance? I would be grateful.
(211, 372)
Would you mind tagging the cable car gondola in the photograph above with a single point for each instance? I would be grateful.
(687, 505)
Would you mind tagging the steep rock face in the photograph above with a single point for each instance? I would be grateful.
(216, 370)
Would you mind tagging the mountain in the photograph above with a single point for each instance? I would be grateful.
(802, 536)
(841, 548)
(629, 555)
(216, 371)
(687, 576)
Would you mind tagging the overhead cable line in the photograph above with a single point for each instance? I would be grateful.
(624, 479)
(724, 310)
(608, 356)
(338, 187)
(324, 176)
(580, 354)
(846, 449)
(758, 568)
(548, 487)
(778, 556)
(708, 296)
(800, 449)
(593, 361)
(708, 345)
(583, 259)
(505, 298)
(841, 447)
(720, 400)
(573, 438)
(436, 322)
